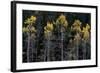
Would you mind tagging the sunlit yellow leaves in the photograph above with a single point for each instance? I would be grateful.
(25, 29)
(84, 29)
(86, 35)
(48, 28)
(88, 26)
(27, 21)
(30, 20)
(76, 26)
(86, 32)
(62, 21)
(60, 24)
(62, 16)
(33, 18)
(77, 23)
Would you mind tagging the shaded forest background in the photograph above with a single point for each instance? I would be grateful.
(56, 48)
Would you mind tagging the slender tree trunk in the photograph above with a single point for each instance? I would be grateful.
(62, 46)
(48, 46)
(32, 54)
(84, 50)
(32, 49)
(48, 51)
(36, 51)
(28, 47)
(77, 51)
(45, 52)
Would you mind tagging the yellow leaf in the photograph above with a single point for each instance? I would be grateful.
(85, 33)
(25, 29)
(76, 26)
(88, 26)
(62, 21)
(30, 20)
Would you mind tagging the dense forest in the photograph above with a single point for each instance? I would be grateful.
(55, 36)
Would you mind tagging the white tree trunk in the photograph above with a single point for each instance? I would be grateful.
(28, 47)
(62, 46)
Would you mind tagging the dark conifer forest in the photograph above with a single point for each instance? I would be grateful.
(55, 36)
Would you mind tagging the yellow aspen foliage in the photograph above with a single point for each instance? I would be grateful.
(27, 21)
(77, 23)
(76, 26)
(62, 16)
(25, 29)
(85, 33)
(33, 19)
(88, 26)
(30, 20)
(62, 20)
(48, 28)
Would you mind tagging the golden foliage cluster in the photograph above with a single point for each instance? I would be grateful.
(61, 20)
(85, 32)
(48, 28)
(76, 26)
(29, 21)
